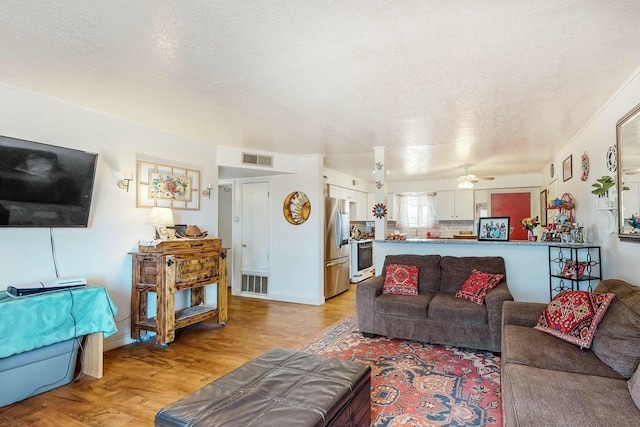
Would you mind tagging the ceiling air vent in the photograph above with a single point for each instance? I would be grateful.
(257, 159)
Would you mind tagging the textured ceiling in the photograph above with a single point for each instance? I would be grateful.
(441, 84)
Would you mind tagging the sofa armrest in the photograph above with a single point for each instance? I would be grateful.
(366, 293)
(522, 313)
(494, 301)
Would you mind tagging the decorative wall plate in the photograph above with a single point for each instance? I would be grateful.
(296, 208)
(552, 170)
(612, 159)
(585, 167)
(379, 210)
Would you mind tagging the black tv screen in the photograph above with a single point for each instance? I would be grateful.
(44, 185)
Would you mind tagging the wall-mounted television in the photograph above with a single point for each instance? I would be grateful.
(44, 185)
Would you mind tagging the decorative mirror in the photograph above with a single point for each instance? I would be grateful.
(628, 141)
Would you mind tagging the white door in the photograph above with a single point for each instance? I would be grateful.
(255, 237)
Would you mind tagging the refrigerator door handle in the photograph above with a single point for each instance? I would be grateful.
(338, 230)
(333, 264)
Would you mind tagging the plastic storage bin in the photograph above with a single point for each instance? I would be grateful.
(33, 372)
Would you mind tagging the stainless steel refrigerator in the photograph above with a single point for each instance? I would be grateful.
(336, 246)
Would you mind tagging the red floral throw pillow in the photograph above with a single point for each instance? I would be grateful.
(574, 316)
(401, 280)
(477, 285)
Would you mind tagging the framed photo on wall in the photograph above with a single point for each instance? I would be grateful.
(567, 168)
(495, 228)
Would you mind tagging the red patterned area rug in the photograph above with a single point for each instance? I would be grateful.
(416, 384)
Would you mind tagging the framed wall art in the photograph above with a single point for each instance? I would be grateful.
(167, 186)
(495, 228)
(567, 168)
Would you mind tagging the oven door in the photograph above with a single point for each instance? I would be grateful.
(365, 255)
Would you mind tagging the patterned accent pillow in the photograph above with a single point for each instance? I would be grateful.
(477, 285)
(573, 316)
(401, 280)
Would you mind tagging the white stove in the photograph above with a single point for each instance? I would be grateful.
(361, 260)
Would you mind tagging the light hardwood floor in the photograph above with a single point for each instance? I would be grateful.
(141, 378)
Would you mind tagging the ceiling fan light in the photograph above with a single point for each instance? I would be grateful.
(465, 185)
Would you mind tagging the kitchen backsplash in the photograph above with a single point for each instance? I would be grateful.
(446, 229)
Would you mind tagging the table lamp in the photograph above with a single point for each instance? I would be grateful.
(160, 218)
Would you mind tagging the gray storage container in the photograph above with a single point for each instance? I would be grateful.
(33, 372)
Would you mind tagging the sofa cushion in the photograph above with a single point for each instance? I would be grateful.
(538, 397)
(428, 266)
(455, 270)
(574, 316)
(618, 340)
(527, 346)
(403, 305)
(401, 279)
(634, 387)
(447, 307)
(477, 285)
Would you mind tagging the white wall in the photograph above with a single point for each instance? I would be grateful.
(619, 258)
(98, 252)
(296, 273)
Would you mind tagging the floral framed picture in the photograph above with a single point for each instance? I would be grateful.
(167, 186)
(494, 228)
(172, 187)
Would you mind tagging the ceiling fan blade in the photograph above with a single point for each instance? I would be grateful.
(486, 178)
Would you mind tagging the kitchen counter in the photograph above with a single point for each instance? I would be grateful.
(527, 263)
(486, 242)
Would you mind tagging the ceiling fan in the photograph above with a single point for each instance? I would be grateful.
(466, 181)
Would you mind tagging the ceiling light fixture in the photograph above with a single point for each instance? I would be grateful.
(465, 185)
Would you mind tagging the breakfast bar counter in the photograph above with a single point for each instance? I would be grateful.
(527, 263)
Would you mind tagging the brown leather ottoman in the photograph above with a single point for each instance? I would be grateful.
(280, 388)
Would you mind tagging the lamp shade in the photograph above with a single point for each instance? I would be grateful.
(160, 216)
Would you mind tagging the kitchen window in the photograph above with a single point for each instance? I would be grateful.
(417, 210)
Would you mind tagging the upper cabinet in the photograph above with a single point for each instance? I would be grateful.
(357, 201)
(455, 205)
(361, 206)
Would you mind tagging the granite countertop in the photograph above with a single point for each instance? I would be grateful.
(486, 242)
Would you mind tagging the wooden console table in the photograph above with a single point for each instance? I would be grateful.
(169, 267)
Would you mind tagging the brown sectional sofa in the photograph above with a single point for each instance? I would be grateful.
(549, 382)
(435, 315)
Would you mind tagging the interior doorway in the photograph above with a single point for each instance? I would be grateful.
(225, 225)
(514, 205)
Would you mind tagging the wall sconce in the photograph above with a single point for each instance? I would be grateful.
(123, 184)
(207, 191)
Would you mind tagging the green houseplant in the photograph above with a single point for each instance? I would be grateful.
(602, 186)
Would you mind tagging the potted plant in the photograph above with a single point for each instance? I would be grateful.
(601, 189)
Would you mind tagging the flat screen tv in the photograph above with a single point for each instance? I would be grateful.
(44, 185)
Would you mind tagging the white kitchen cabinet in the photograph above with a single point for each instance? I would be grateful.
(361, 206)
(392, 207)
(455, 205)
(335, 192)
(357, 201)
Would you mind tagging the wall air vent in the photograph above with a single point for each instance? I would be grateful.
(255, 284)
(257, 159)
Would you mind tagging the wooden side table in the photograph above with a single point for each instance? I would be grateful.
(169, 267)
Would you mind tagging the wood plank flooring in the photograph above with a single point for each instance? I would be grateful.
(141, 378)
